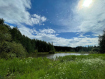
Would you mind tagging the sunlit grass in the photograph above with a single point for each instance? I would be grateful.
(68, 67)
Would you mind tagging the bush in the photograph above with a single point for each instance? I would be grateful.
(51, 52)
(96, 49)
(18, 49)
(36, 51)
(4, 55)
(12, 49)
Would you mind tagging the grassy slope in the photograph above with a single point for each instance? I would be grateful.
(68, 67)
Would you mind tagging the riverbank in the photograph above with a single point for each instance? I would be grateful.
(53, 56)
(67, 67)
(64, 52)
(42, 54)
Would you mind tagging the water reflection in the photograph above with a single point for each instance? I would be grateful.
(53, 56)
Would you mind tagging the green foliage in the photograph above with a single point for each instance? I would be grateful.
(4, 34)
(102, 42)
(4, 37)
(12, 49)
(68, 67)
(95, 49)
(13, 43)
(51, 51)
(18, 49)
(30, 44)
(1, 21)
(76, 49)
(8, 48)
(16, 35)
(72, 50)
(67, 58)
(36, 51)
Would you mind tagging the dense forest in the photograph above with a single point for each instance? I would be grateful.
(14, 44)
(77, 49)
(31, 45)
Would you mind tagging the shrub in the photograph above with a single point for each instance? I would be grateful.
(51, 52)
(12, 49)
(18, 49)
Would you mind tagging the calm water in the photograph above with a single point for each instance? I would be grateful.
(53, 56)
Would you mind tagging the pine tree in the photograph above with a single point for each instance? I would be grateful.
(102, 42)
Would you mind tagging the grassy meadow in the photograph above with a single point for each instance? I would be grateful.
(68, 67)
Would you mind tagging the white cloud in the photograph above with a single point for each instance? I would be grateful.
(93, 18)
(38, 19)
(76, 41)
(16, 12)
(12, 26)
(50, 31)
(84, 19)
(36, 16)
(43, 19)
(26, 31)
(50, 35)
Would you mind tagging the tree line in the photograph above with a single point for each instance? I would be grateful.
(94, 49)
(14, 44)
(30, 44)
(77, 49)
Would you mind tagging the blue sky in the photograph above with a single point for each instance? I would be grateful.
(63, 22)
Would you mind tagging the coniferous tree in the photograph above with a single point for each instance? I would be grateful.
(102, 42)
(8, 48)
(1, 21)
(13, 34)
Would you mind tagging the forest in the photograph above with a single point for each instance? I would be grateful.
(77, 49)
(14, 44)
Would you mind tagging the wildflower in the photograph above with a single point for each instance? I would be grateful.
(93, 61)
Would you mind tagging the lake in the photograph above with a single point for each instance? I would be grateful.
(53, 56)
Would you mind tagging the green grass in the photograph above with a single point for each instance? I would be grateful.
(68, 67)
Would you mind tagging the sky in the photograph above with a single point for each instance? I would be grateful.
(64, 22)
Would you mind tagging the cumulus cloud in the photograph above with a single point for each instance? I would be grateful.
(50, 35)
(26, 31)
(93, 17)
(48, 31)
(38, 19)
(16, 12)
(73, 42)
(79, 20)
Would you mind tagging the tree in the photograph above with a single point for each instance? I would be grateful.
(4, 35)
(4, 32)
(10, 35)
(8, 48)
(1, 21)
(11, 50)
(16, 34)
(102, 43)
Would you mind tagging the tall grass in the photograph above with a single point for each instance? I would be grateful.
(68, 67)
